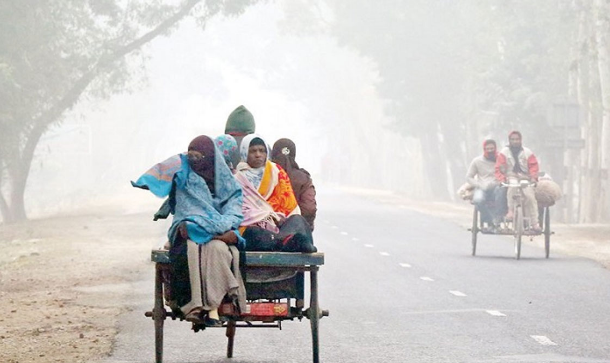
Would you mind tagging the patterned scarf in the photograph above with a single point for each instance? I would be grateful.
(227, 146)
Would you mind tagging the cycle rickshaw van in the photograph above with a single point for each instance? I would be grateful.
(520, 225)
(275, 292)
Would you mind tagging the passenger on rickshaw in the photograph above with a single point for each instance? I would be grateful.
(284, 153)
(239, 124)
(227, 145)
(520, 162)
(272, 220)
(207, 204)
(487, 195)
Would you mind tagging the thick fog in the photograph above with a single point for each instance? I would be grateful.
(393, 95)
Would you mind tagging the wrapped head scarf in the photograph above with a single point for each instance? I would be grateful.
(284, 153)
(254, 175)
(204, 166)
(490, 156)
(227, 146)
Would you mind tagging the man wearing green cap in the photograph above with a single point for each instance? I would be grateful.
(239, 124)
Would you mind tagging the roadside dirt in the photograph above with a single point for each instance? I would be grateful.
(62, 280)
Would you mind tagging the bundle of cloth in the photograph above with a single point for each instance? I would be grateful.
(547, 192)
(466, 191)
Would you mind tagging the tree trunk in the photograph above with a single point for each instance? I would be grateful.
(454, 150)
(585, 95)
(4, 209)
(434, 164)
(602, 32)
(20, 172)
(581, 65)
(594, 152)
(17, 206)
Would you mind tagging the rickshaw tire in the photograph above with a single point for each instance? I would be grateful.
(518, 226)
(475, 230)
(231, 328)
(314, 315)
(159, 315)
(547, 232)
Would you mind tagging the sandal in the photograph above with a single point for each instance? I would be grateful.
(194, 316)
(212, 323)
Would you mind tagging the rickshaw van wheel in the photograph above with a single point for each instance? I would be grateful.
(547, 232)
(159, 314)
(518, 227)
(475, 230)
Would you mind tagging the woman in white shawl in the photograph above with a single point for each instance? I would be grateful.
(272, 220)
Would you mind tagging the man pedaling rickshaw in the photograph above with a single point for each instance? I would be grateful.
(520, 162)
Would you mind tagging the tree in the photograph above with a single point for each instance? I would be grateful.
(54, 52)
(602, 33)
(593, 85)
(454, 72)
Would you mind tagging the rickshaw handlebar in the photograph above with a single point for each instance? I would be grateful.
(521, 184)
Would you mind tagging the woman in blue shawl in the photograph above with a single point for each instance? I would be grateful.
(206, 202)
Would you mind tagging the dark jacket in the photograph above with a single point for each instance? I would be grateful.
(305, 193)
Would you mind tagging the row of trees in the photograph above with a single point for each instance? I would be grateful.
(450, 73)
(590, 87)
(456, 72)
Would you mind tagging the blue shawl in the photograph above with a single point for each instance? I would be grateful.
(206, 215)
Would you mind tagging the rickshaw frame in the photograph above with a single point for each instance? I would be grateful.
(284, 261)
(517, 227)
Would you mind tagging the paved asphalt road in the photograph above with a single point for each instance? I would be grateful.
(402, 287)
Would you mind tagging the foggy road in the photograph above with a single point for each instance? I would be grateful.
(402, 287)
(404, 97)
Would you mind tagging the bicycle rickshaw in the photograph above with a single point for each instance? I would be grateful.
(520, 225)
(270, 301)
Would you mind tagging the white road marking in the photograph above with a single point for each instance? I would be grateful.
(344, 233)
(384, 253)
(355, 239)
(543, 340)
(369, 246)
(494, 313)
(405, 265)
(426, 278)
(457, 293)
(448, 311)
(334, 227)
(402, 206)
